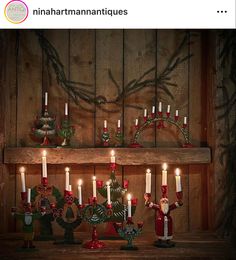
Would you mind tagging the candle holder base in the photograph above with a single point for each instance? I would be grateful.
(94, 244)
(128, 247)
(26, 249)
(135, 145)
(66, 242)
(164, 243)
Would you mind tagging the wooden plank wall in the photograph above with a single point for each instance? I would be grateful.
(87, 55)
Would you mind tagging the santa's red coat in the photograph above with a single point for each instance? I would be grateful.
(163, 222)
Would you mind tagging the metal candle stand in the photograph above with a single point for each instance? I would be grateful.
(67, 225)
(66, 131)
(150, 122)
(164, 239)
(129, 232)
(94, 214)
(44, 128)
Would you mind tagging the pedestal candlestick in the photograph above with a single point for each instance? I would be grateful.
(95, 214)
(66, 131)
(105, 135)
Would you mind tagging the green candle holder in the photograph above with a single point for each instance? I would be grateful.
(128, 232)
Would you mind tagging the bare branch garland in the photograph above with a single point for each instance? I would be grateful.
(80, 91)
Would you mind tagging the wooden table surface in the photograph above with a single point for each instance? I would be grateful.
(188, 246)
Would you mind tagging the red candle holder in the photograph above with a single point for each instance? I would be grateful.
(176, 118)
(129, 220)
(164, 190)
(99, 184)
(145, 118)
(105, 137)
(44, 181)
(160, 114)
(134, 201)
(113, 166)
(153, 115)
(92, 200)
(167, 114)
(185, 125)
(125, 184)
(109, 206)
(23, 196)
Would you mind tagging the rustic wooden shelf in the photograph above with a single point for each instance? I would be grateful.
(124, 156)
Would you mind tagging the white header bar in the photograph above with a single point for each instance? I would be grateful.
(117, 14)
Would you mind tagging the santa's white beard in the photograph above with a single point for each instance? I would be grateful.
(165, 208)
(28, 218)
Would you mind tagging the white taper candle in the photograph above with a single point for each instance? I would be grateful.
(28, 195)
(66, 109)
(118, 123)
(129, 205)
(94, 187)
(108, 193)
(22, 176)
(176, 112)
(80, 192)
(46, 99)
(67, 175)
(44, 164)
(113, 158)
(164, 174)
(148, 181)
(145, 112)
(168, 109)
(105, 124)
(153, 109)
(178, 180)
(185, 120)
(160, 107)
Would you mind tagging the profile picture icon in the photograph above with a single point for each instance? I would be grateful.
(16, 11)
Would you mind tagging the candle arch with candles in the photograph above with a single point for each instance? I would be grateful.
(160, 119)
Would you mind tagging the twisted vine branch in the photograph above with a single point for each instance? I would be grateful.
(79, 90)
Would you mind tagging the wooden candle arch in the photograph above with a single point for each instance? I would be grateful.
(161, 120)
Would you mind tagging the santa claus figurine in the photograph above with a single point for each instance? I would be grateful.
(27, 219)
(163, 220)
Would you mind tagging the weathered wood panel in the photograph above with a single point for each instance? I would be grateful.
(8, 81)
(29, 76)
(82, 69)
(195, 129)
(124, 156)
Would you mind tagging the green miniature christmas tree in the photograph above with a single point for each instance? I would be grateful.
(44, 128)
(119, 210)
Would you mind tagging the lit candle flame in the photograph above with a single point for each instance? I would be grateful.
(80, 182)
(94, 178)
(67, 169)
(164, 166)
(112, 152)
(148, 170)
(108, 183)
(44, 153)
(129, 196)
(177, 172)
(22, 169)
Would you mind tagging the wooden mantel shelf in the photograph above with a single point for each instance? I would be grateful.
(124, 156)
